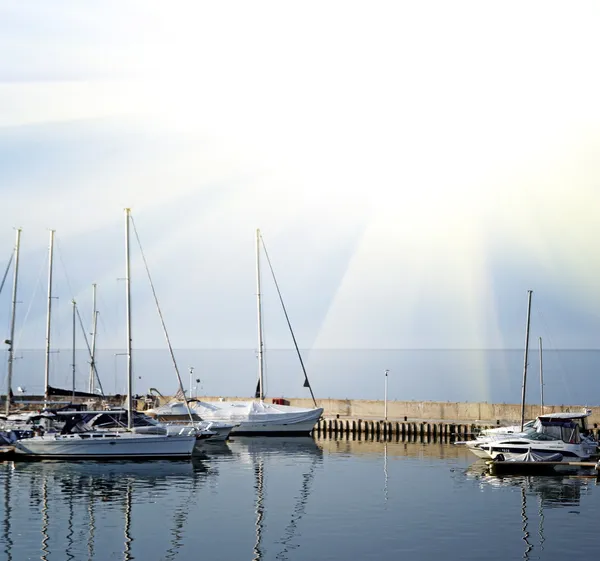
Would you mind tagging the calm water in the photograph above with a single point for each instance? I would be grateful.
(295, 499)
(570, 376)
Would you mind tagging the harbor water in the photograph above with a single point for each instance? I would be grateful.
(294, 499)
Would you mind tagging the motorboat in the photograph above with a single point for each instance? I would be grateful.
(481, 445)
(553, 433)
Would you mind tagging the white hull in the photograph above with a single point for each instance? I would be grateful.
(475, 447)
(221, 430)
(513, 451)
(115, 446)
(257, 417)
(279, 426)
(248, 417)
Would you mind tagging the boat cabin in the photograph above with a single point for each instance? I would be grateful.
(557, 428)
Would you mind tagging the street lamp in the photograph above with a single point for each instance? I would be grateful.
(385, 396)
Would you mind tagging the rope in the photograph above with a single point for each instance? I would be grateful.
(89, 349)
(162, 321)
(31, 300)
(306, 382)
(559, 358)
(6, 272)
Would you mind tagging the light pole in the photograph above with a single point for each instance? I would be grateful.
(385, 396)
(191, 373)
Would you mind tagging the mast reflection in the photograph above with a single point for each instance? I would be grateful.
(70, 498)
(259, 451)
(552, 492)
(8, 543)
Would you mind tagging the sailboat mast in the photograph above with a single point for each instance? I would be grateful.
(11, 342)
(541, 377)
(529, 293)
(92, 381)
(261, 393)
(73, 365)
(128, 313)
(48, 318)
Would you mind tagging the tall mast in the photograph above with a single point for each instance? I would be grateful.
(541, 378)
(128, 313)
(11, 341)
(529, 293)
(48, 316)
(260, 392)
(73, 365)
(92, 381)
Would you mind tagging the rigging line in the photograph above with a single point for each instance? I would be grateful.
(306, 382)
(160, 315)
(89, 349)
(6, 272)
(60, 257)
(31, 300)
(565, 371)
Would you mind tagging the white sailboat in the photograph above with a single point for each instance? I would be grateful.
(83, 443)
(255, 417)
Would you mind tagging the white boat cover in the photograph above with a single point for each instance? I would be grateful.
(242, 412)
(531, 456)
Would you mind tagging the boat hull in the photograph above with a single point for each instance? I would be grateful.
(264, 419)
(250, 418)
(512, 451)
(274, 428)
(106, 447)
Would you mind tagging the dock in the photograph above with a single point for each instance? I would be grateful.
(398, 429)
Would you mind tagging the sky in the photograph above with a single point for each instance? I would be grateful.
(414, 168)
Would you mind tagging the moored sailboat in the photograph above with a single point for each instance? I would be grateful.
(255, 417)
(82, 443)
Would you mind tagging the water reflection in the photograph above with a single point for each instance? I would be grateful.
(551, 492)
(306, 453)
(61, 501)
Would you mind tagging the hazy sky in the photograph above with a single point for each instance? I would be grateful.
(415, 168)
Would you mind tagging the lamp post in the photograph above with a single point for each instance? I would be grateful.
(385, 396)
(191, 372)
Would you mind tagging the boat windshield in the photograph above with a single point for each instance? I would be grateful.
(559, 429)
(541, 436)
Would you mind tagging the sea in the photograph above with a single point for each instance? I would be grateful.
(570, 376)
(296, 498)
